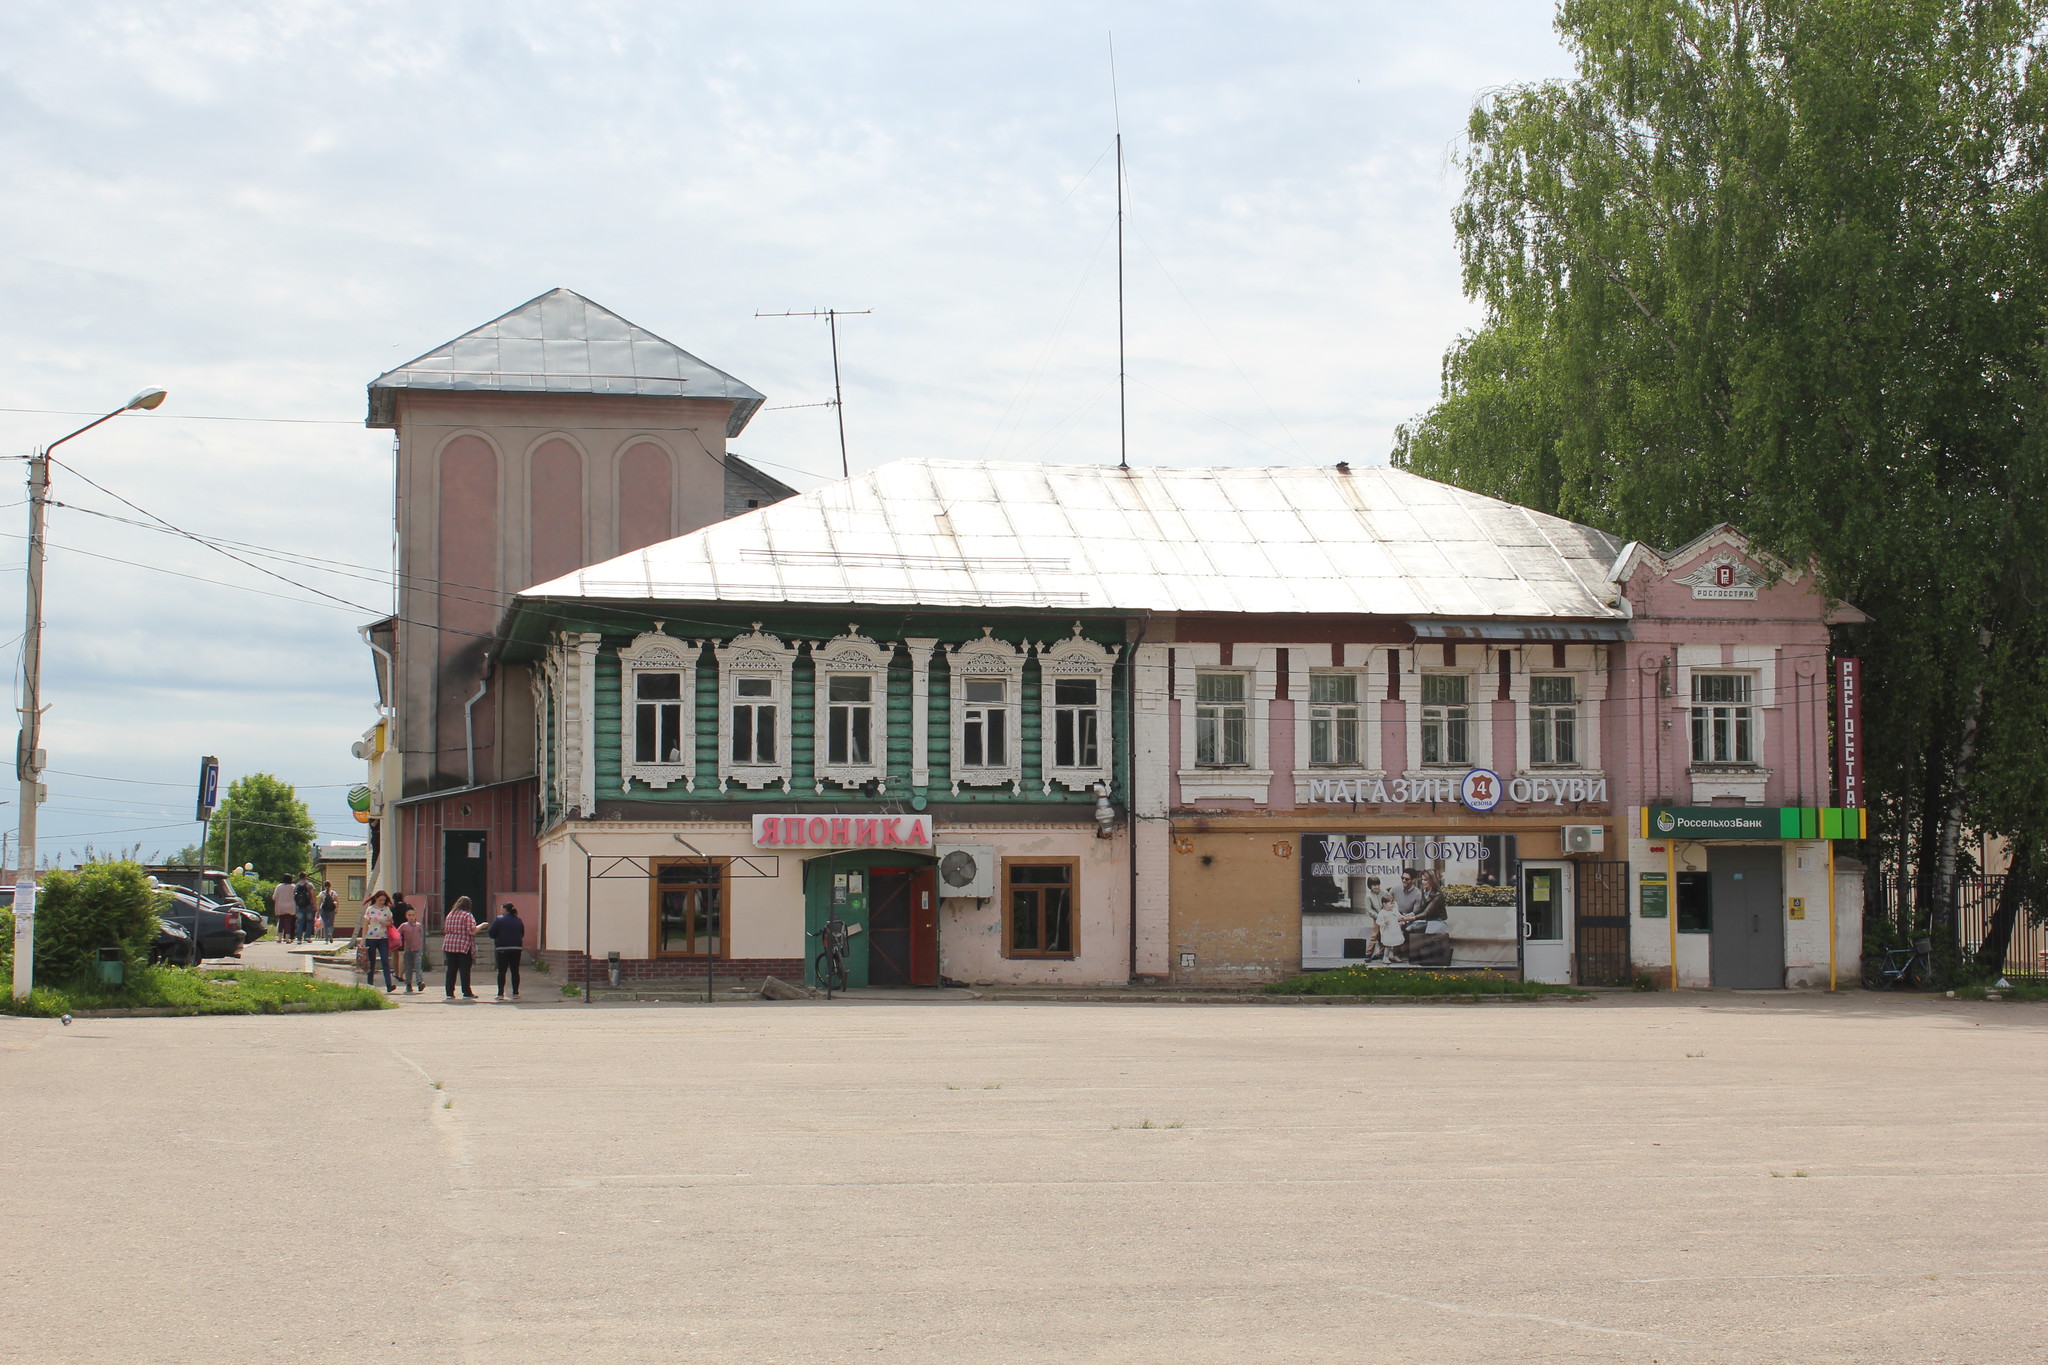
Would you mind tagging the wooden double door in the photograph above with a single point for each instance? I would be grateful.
(902, 927)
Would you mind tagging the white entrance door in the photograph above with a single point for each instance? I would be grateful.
(1547, 923)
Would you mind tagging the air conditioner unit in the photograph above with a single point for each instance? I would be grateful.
(967, 871)
(1583, 838)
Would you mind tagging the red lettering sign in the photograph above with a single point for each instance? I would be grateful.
(820, 832)
(892, 831)
(917, 835)
(864, 833)
(842, 830)
(770, 829)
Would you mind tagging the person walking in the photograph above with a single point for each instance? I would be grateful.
(302, 903)
(412, 943)
(374, 930)
(286, 909)
(508, 932)
(329, 904)
(458, 946)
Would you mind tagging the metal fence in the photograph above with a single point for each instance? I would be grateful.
(1898, 910)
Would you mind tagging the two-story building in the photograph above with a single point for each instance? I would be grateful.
(1072, 724)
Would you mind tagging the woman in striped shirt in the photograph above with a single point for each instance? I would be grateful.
(458, 946)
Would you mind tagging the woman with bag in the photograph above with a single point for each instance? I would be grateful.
(458, 946)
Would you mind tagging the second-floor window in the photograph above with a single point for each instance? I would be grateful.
(1446, 719)
(658, 718)
(985, 723)
(1553, 720)
(1220, 720)
(753, 720)
(1077, 723)
(1333, 719)
(849, 721)
(1723, 723)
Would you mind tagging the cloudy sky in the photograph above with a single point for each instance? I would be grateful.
(262, 206)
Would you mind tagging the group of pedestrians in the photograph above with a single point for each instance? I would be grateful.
(302, 911)
(391, 928)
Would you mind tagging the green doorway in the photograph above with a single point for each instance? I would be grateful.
(848, 880)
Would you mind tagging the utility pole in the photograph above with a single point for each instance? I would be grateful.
(832, 316)
(28, 752)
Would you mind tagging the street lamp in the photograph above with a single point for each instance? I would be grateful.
(28, 753)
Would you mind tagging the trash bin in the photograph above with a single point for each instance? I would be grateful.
(113, 971)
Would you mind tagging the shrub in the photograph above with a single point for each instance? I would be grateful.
(1465, 893)
(6, 949)
(102, 905)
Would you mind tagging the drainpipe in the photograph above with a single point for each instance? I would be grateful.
(469, 719)
(390, 666)
(1131, 784)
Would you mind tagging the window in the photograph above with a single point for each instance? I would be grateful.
(658, 718)
(1695, 903)
(1039, 897)
(753, 720)
(355, 888)
(1446, 720)
(1077, 724)
(1553, 720)
(1220, 723)
(849, 721)
(1333, 719)
(689, 910)
(985, 723)
(1723, 725)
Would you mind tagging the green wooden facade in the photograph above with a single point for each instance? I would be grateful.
(809, 630)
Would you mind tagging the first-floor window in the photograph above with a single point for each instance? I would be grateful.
(1220, 720)
(753, 720)
(1076, 723)
(1333, 719)
(1553, 719)
(849, 720)
(985, 723)
(1040, 899)
(658, 718)
(1446, 720)
(1723, 725)
(689, 909)
(355, 888)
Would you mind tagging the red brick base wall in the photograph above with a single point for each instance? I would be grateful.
(569, 966)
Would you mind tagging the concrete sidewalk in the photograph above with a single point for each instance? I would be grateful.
(1644, 1178)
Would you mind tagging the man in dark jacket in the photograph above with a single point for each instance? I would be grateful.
(508, 932)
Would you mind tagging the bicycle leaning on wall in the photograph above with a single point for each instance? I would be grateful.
(831, 962)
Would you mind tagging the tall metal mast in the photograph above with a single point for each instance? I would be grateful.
(832, 316)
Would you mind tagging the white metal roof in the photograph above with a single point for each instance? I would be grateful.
(561, 342)
(998, 534)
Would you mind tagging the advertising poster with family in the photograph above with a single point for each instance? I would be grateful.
(1408, 900)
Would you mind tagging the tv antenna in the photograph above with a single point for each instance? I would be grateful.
(1123, 421)
(831, 316)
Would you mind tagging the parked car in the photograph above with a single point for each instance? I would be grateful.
(173, 944)
(219, 929)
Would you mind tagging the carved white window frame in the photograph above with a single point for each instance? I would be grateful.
(986, 658)
(754, 654)
(851, 655)
(1069, 659)
(657, 652)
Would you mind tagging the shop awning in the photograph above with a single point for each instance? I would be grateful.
(1525, 632)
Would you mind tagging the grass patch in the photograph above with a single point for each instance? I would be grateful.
(1406, 981)
(236, 991)
(2018, 990)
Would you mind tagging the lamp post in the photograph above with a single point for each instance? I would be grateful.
(28, 753)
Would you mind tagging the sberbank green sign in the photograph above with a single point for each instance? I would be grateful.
(1752, 822)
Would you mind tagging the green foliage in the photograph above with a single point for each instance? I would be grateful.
(272, 828)
(183, 992)
(1466, 893)
(1407, 981)
(102, 905)
(1781, 265)
(6, 951)
(255, 893)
